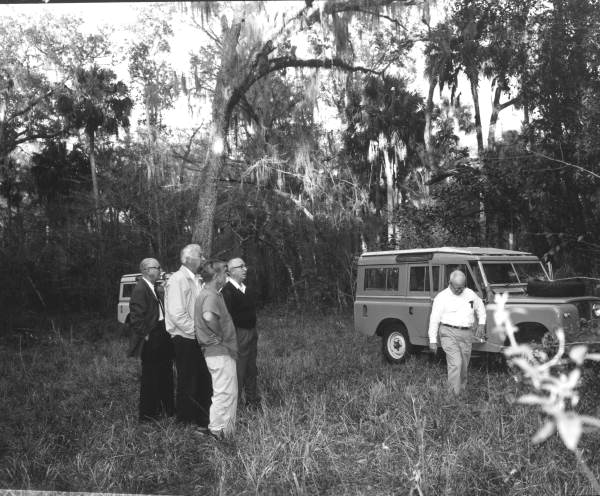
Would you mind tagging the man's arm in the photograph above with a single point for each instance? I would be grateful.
(215, 332)
(137, 311)
(207, 324)
(480, 313)
(176, 296)
(434, 322)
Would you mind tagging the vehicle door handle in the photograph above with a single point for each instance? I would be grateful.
(410, 310)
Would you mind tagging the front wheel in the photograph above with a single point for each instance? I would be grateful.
(542, 342)
(395, 343)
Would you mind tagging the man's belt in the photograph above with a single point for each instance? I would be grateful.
(458, 327)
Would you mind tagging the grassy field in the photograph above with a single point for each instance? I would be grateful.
(336, 420)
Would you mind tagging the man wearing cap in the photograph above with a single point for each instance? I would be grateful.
(455, 312)
(150, 342)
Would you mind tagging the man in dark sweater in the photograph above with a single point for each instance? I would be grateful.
(241, 303)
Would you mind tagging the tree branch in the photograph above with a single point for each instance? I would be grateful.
(288, 196)
(578, 167)
(29, 106)
(40, 135)
(280, 63)
(250, 110)
(351, 6)
(382, 16)
(285, 62)
(508, 103)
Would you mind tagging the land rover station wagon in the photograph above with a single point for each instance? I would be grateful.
(395, 291)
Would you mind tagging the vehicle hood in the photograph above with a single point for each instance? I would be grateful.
(543, 300)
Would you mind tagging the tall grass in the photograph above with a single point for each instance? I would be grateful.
(336, 420)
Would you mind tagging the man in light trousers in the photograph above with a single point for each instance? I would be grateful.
(216, 335)
(453, 316)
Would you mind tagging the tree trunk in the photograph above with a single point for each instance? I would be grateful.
(494, 119)
(207, 202)
(474, 81)
(428, 111)
(95, 190)
(390, 169)
(152, 178)
(497, 107)
(203, 228)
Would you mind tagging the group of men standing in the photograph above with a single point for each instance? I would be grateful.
(207, 325)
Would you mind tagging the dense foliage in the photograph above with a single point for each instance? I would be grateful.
(302, 142)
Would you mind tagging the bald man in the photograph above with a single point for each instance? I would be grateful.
(241, 303)
(455, 312)
(151, 342)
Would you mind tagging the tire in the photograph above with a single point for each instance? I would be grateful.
(569, 287)
(538, 337)
(530, 333)
(395, 343)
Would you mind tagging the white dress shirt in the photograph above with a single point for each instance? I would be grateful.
(161, 316)
(239, 285)
(455, 310)
(181, 291)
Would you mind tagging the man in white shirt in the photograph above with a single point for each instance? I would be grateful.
(194, 389)
(453, 314)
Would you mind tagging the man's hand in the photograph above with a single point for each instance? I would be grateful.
(433, 347)
(480, 333)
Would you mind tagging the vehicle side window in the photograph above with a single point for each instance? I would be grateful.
(500, 273)
(127, 290)
(419, 279)
(435, 275)
(382, 278)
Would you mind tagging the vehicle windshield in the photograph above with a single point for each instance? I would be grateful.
(513, 273)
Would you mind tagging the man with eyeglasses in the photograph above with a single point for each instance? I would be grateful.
(152, 344)
(194, 387)
(241, 303)
(453, 316)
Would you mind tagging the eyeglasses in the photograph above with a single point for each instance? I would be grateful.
(458, 289)
(239, 267)
(158, 268)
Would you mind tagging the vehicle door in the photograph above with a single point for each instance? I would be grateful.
(376, 298)
(423, 283)
(125, 290)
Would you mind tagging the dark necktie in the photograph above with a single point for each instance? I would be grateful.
(160, 303)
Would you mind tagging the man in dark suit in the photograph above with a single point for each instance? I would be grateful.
(151, 342)
(241, 304)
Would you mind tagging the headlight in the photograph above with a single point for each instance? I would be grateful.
(596, 310)
(567, 315)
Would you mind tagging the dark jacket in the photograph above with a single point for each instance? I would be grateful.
(143, 316)
(241, 306)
